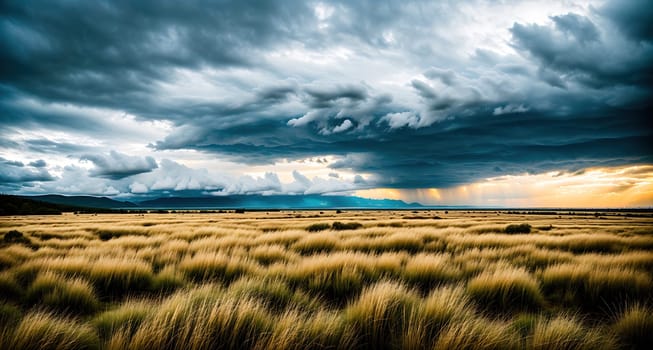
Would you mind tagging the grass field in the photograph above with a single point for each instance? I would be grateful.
(322, 280)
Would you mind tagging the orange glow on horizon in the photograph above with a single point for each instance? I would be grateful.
(617, 187)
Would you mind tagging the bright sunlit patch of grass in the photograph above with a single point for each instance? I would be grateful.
(39, 330)
(430, 270)
(379, 315)
(506, 289)
(567, 332)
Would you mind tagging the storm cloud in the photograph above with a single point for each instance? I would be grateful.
(403, 94)
(117, 166)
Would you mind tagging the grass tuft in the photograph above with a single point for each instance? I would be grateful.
(39, 331)
(634, 327)
(63, 295)
(379, 315)
(511, 289)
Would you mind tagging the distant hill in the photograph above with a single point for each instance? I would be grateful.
(83, 201)
(274, 202)
(17, 205)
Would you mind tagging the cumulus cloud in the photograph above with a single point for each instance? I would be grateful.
(117, 165)
(13, 171)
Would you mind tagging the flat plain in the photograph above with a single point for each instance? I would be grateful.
(327, 280)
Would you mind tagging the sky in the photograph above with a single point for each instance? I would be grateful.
(487, 103)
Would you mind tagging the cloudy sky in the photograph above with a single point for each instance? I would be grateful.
(529, 103)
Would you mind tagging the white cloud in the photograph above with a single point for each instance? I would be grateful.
(510, 108)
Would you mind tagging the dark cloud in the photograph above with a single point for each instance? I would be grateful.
(117, 166)
(38, 163)
(15, 172)
(112, 53)
(579, 27)
(632, 17)
(572, 50)
(257, 82)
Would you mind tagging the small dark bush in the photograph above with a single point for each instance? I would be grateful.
(520, 228)
(346, 226)
(14, 236)
(318, 227)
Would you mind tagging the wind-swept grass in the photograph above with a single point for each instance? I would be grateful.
(506, 289)
(126, 317)
(634, 327)
(595, 288)
(203, 319)
(385, 280)
(61, 294)
(566, 332)
(40, 331)
(379, 316)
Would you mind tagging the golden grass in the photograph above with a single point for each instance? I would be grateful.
(262, 281)
(507, 288)
(38, 330)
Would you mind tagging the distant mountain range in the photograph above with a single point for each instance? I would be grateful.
(83, 201)
(275, 202)
(229, 202)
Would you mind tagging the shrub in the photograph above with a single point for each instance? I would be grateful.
(337, 225)
(518, 228)
(318, 227)
(39, 330)
(14, 236)
(61, 294)
(506, 289)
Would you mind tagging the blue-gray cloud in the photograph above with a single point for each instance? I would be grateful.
(117, 166)
(575, 92)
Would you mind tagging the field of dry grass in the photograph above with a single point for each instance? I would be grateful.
(352, 280)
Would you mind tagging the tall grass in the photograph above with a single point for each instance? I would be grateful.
(262, 281)
(596, 288)
(62, 294)
(41, 331)
(506, 289)
(379, 315)
(634, 327)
